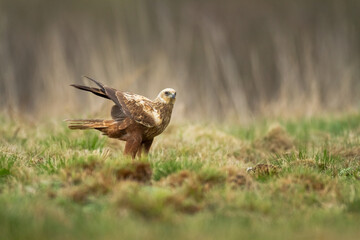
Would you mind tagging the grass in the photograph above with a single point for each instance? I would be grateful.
(304, 182)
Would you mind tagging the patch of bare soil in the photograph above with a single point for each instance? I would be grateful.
(178, 179)
(81, 193)
(180, 203)
(349, 153)
(140, 172)
(233, 176)
(238, 178)
(310, 183)
(276, 141)
(88, 179)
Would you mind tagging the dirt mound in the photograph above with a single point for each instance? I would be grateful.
(310, 183)
(234, 177)
(140, 172)
(352, 153)
(180, 203)
(237, 178)
(179, 178)
(80, 194)
(276, 141)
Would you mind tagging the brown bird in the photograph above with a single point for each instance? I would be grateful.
(135, 119)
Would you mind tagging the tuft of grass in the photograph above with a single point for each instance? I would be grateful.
(164, 168)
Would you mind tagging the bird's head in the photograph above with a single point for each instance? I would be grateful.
(168, 95)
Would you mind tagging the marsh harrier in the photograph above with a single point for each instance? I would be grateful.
(135, 119)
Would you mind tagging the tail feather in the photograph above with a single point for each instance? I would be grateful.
(82, 124)
(96, 91)
(101, 86)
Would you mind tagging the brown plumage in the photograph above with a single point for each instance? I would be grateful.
(135, 119)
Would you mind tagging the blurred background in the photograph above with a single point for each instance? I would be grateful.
(228, 60)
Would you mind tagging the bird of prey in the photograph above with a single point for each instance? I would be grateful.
(135, 119)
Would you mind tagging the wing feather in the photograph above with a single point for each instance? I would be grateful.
(139, 108)
(117, 114)
(128, 105)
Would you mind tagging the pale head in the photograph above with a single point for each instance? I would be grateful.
(168, 95)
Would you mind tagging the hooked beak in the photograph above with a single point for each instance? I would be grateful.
(173, 95)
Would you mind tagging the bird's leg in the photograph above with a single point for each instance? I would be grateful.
(132, 145)
(147, 145)
(139, 152)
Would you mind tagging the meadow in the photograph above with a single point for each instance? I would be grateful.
(273, 179)
(264, 139)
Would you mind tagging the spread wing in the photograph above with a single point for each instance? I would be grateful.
(128, 105)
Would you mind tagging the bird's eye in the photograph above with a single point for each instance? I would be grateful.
(167, 93)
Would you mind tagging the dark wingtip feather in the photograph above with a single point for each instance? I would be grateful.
(96, 82)
(79, 86)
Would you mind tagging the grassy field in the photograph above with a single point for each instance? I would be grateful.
(304, 182)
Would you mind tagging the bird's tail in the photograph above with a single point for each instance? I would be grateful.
(82, 124)
(97, 91)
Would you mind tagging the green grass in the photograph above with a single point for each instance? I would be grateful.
(62, 184)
